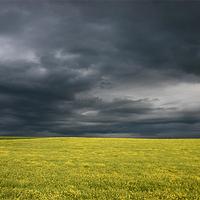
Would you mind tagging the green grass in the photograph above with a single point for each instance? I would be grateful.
(99, 168)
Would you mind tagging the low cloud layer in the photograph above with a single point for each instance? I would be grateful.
(90, 67)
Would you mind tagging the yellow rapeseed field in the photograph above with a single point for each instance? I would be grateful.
(99, 168)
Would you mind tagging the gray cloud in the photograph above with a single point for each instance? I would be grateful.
(78, 68)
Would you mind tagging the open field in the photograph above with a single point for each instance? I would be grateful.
(99, 168)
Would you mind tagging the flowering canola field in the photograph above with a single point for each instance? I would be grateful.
(99, 168)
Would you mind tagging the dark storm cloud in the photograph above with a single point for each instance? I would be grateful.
(59, 60)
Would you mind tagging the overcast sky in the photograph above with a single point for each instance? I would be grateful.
(100, 67)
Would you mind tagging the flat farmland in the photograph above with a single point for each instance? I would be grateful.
(99, 168)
